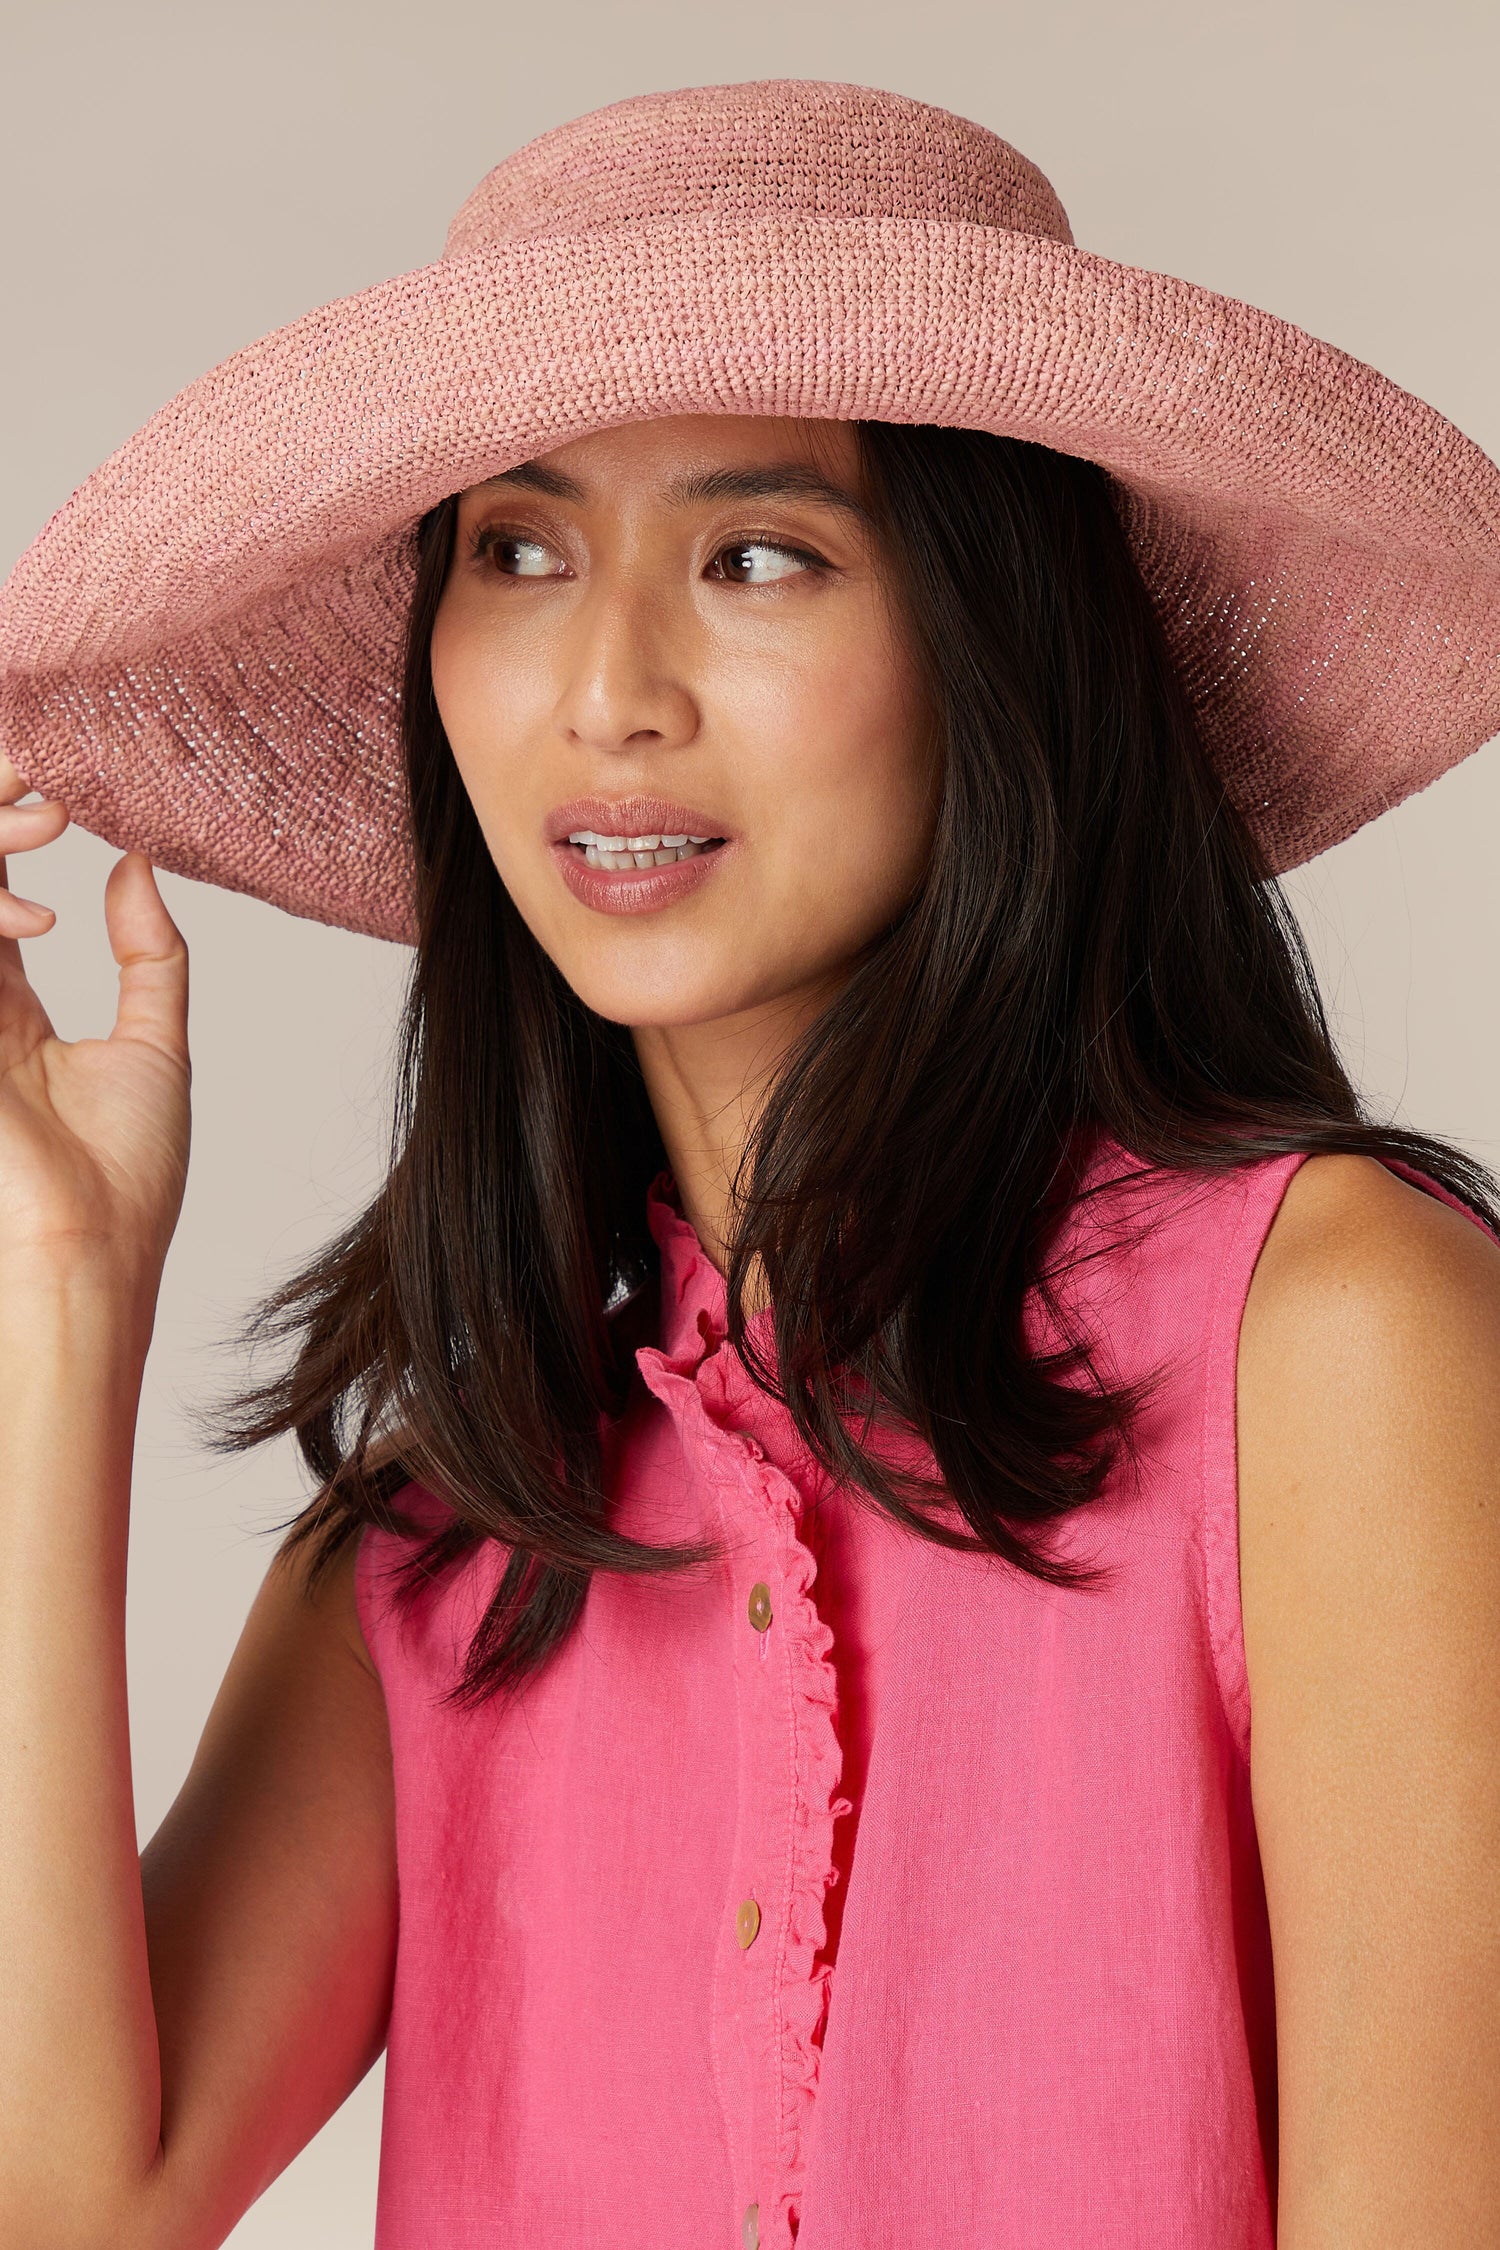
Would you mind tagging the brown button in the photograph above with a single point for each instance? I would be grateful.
(760, 1605)
(747, 1921)
(750, 2227)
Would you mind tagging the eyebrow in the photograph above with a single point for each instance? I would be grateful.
(773, 480)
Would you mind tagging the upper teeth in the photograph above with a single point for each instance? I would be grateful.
(632, 843)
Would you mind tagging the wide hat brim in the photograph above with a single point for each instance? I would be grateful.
(201, 651)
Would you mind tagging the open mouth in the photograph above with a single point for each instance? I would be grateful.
(626, 854)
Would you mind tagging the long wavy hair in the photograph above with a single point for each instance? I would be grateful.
(1096, 947)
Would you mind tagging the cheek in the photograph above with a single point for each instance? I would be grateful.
(857, 773)
(482, 700)
(461, 682)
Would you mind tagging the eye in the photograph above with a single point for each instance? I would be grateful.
(741, 549)
(516, 555)
(755, 561)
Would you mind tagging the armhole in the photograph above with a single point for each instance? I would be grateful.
(378, 1561)
(365, 1607)
(1263, 1186)
(1418, 1178)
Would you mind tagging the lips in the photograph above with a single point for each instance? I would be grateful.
(633, 816)
(640, 890)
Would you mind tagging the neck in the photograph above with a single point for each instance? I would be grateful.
(706, 1084)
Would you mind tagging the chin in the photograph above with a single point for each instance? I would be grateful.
(671, 994)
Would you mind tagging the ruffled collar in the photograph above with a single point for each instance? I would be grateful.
(694, 1301)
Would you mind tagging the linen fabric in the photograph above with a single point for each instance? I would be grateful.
(201, 651)
(854, 1891)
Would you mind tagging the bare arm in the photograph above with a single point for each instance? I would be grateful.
(173, 2031)
(168, 2039)
(270, 1901)
(1369, 1437)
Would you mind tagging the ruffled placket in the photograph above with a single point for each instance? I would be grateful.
(771, 1984)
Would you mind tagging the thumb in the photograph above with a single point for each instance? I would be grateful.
(153, 959)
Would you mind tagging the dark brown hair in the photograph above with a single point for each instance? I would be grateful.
(1096, 945)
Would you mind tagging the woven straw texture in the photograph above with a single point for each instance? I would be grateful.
(201, 651)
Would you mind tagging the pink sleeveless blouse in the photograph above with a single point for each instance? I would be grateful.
(854, 1892)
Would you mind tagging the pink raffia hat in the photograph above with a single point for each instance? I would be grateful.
(200, 652)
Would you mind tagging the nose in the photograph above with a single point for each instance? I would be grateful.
(624, 678)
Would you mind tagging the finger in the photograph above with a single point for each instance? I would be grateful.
(25, 828)
(23, 917)
(19, 918)
(153, 959)
(22, 828)
(11, 784)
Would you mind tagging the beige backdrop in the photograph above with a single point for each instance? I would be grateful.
(176, 179)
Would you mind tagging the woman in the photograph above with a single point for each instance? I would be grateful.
(887, 1335)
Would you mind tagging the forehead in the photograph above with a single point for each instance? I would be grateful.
(682, 461)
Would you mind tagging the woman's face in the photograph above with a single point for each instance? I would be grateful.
(673, 630)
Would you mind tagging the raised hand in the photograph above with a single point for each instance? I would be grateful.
(93, 1132)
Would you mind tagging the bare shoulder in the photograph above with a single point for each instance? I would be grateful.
(324, 1598)
(1368, 1382)
(1351, 1231)
(1369, 1538)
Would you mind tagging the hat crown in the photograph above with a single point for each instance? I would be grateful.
(788, 145)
